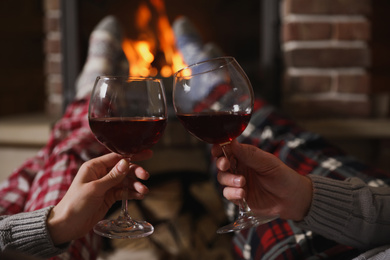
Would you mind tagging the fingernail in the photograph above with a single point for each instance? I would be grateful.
(122, 167)
(237, 181)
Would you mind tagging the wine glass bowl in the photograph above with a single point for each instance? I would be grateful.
(214, 101)
(127, 115)
(217, 94)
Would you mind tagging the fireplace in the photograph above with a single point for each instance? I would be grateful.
(247, 30)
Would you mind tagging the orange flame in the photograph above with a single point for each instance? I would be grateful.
(155, 36)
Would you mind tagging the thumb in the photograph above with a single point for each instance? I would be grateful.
(255, 158)
(115, 176)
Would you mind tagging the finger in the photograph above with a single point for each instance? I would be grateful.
(233, 193)
(223, 164)
(115, 176)
(105, 161)
(132, 195)
(140, 188)
(139, 172)
(136, 191)
(231, 180)
(97, 167)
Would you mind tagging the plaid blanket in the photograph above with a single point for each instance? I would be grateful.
(44, 179)
(306, 153)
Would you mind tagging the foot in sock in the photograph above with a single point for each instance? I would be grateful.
(105, 55)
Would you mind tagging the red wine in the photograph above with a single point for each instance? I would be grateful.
(215, 127)
(128, 136)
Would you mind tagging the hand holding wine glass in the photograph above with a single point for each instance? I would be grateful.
(93, 191)
(127, 115)
(213, 99)
(273, 188)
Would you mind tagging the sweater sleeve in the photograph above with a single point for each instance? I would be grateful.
(27, 233)
(349, 212)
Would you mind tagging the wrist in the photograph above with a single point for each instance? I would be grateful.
(56, 225)
(307, 197)
(300, 207)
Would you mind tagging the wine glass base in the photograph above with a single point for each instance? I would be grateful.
(123, 229)
(244, 222)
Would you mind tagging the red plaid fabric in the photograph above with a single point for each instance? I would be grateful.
(44, 179)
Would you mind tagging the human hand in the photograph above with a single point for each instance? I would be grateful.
(269, 186)
(96, 187)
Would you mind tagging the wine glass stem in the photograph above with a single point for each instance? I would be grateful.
(243, 207)
(124, 211)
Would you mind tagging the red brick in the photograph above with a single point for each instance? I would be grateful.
(306, 31)
(354, 83)
(352, 31)
(327, 57)
(308, 108)
(312, 30)
(327, 7)
(52, 45)
(53, 67)
(307, 84)
(52, 24)
(350, 7)
(54, 87)
(52, 5)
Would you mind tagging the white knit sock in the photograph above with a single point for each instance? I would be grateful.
(105, 55)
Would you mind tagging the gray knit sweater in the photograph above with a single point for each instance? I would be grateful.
(27, 232)
(351, 213)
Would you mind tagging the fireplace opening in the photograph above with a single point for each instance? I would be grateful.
(243, 29)
(149, 43)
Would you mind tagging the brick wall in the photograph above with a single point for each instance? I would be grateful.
(53, 57)
(326, 57)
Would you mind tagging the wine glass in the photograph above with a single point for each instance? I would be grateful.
(127, 115)
(214, 100)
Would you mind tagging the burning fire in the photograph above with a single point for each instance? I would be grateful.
(153, 52)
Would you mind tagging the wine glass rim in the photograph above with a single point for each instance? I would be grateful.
(230, 59)
(137, 78)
